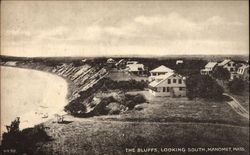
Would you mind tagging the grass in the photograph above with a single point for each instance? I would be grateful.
(87, 137)
(163, 122)
(165, 109)
(243, 98)
(119, 75)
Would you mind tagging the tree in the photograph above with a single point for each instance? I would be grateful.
(221, 73)
(75, 108)
(236, 86)
(14, 126)
(203, 87)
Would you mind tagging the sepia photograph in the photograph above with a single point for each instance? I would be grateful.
(124, 77)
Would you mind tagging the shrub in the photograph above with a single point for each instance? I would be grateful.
(203, 87)
(100, 108)
(24, 141)
(221, 73)
(75, 108)
(236, 86)
(131, 101)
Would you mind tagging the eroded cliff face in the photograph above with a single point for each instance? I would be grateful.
(82, 77)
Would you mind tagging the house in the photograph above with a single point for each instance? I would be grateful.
(179, 62)
(137, 69)
(121, 64)
(208, 68)
(243, 72)
(169, 84)
(111, 62)
(130, 63)
(161, 70)
(230, 66)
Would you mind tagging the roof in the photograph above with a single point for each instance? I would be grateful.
(110, 60)
(135, 67)
(161, 78)
(181, 61)
(163, 69)
(206, 69)
(211, 65)
(224, 62)
(244, 66)
(132, 62)
(120, 61)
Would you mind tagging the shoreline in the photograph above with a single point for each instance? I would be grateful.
(41, 113)
(70, 84)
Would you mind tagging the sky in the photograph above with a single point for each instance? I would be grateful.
(103, 28)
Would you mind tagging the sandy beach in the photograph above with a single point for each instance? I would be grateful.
(34, 96)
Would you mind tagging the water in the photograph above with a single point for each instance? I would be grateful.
(32, 95)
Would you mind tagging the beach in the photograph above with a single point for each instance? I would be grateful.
(34, 96)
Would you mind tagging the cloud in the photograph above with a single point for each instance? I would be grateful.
(149, 20)
(161, 34)
(126, 30)
(217, 20)
(56, 33)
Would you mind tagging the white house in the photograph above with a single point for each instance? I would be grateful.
(131, 62)
(208, 68)
(243, 72)
(110, 60)
(161, 70)
(169, 84)
(230, 66)
(137, 69)
(179, 62)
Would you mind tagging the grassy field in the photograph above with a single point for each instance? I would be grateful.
(97, 137)
(119, 75)
(162, 123)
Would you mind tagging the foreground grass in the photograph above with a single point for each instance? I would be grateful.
(97, 137)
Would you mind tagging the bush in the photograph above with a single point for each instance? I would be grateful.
(131, 101)
(75, 108)
(24, 141)
(221, 73)
(203, 87)
(236, 86)
(100, 108)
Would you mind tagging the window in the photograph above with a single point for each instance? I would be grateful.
(167, 89)
(180, 88)
(231, 69)
(163, 89)
(174, 80)
(158, 89)
(180, 81)
(169, 81)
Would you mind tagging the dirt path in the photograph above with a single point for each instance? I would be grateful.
(237, 107)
